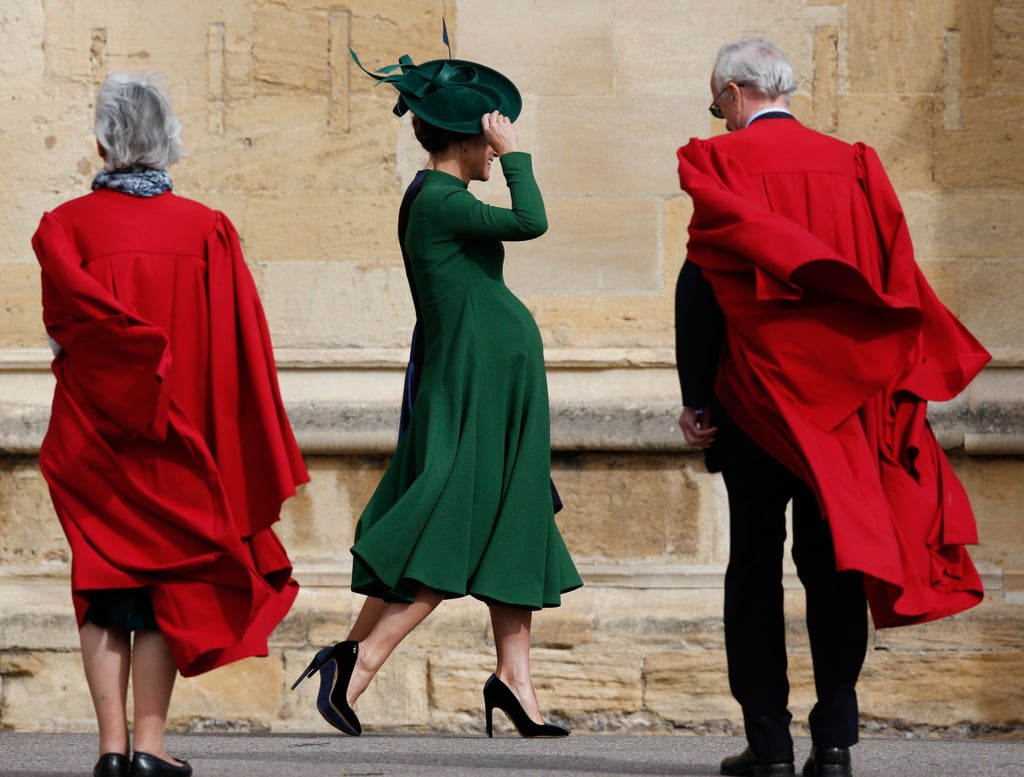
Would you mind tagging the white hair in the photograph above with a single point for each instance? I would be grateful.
(757, 63)
(135, 124)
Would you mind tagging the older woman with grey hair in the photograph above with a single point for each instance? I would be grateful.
(168, 452)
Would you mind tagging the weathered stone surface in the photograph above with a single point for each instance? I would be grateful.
(302, 152)
(617, 510)
(29, 677)
(21, 311)
(578, 55)
(245, 694)
(555, 263)
(884, 123)
(29, 529)
(604, 154)
(991, 288)
(907, 58)
(687, 685)
(567, 682)
(993, 626)
(952, 687)
(996, 486)
(332, 290)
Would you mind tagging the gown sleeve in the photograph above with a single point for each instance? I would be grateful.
(466, 216)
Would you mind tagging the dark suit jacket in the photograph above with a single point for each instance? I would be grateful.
(699, 332)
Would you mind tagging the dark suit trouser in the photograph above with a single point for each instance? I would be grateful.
(754, 621)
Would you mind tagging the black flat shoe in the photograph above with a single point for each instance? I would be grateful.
(828, 762)
(497, 694)
(146, 765)
(747, 764)
(335, 665)
(112, 765)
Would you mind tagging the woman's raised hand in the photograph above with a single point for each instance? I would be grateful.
(499, 132)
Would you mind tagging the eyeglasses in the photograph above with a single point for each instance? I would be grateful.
(713, 109)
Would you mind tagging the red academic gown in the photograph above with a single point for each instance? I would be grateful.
(834, 344)
(168, 453)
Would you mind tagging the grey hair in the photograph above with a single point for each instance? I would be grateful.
(755, 62)
(135, 124)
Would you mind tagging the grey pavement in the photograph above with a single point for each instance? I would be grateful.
(433, 755)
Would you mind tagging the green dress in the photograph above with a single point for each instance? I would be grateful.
(465, 504)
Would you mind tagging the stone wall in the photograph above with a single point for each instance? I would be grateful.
(302, 152)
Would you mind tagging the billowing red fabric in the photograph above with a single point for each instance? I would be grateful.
(834, 344)
(168, 453)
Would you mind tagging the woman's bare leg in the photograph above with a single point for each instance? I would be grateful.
(392, 624)
(106, 657)
(153, 675)
(511, 627)
(368, 616)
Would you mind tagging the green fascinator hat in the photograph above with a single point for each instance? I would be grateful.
(449, 93)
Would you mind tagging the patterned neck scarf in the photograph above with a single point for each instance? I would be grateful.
(136, 181)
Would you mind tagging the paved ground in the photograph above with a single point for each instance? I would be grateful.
(396, 755)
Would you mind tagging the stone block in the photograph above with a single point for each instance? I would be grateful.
(269, 134)
(688, 685)
(996, 489)
(568, 683)
(619, 511)
(965, 225)
(604, 321)
(991, 627)
(314, 303)
(245, 695)
(330, 613)
(22, 53)
(895, 48)
(649, 58)
(943, 688)
(318, 523)
(545, 48)
(991, 289)
(682, 617)
(988, 153)
(313, 226)
(624, 256)
(900, 130)
(21, 310)
(456, 623)
(38, 613)
(1007, 47)
(584, 147)
(944, 278)
(29, 677)
(290, 50)
(29, 529)
(399, 694)
(566, 627)
(678, 212)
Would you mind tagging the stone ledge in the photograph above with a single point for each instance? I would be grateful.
(43, 577)
(346, 401)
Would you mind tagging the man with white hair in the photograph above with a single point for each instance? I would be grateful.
(808, 343)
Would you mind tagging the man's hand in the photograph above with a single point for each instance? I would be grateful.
(696, 426)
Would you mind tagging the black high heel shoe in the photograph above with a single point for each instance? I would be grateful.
(146, 765)
(335, 665)
(497, 694)
(112, 765)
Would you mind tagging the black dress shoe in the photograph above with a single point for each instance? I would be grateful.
(828, 762)
(747, 764)
(112, 765)
(146, 765)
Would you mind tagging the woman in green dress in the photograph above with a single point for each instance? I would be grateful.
(465, 506)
